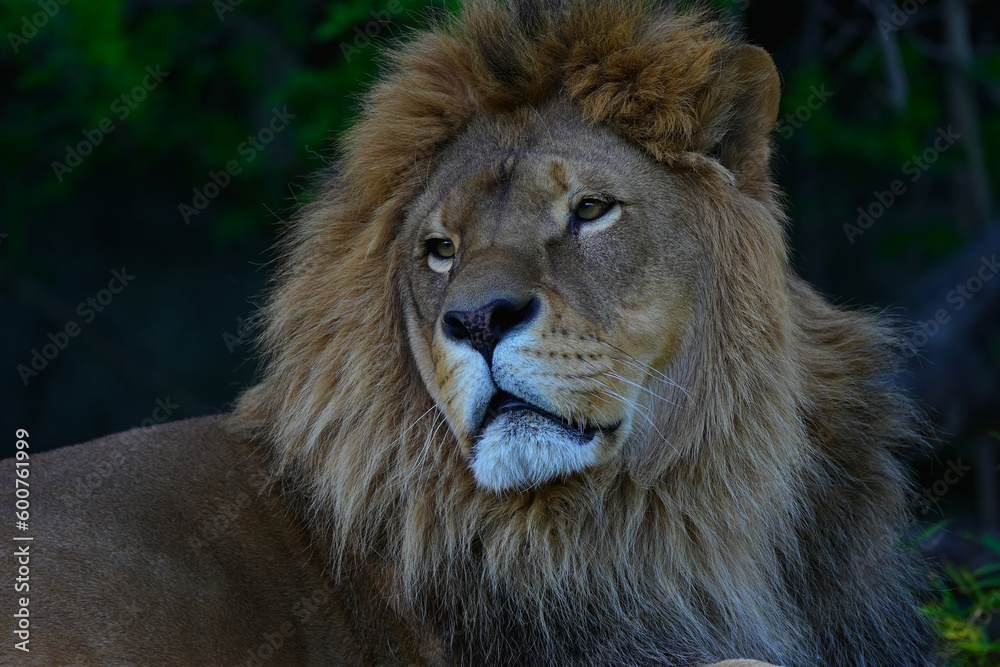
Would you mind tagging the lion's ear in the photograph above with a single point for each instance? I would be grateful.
(739, 113)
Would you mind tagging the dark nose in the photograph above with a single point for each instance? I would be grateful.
(485, 327)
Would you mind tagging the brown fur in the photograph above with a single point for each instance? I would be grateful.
(769, 528)
(774, 535)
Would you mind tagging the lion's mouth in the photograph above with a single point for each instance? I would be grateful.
(503, 402)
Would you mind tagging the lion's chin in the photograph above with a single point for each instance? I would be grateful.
(522, 448)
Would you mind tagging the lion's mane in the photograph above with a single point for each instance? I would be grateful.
(767, 529)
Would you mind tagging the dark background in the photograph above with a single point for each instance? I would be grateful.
(868, 87)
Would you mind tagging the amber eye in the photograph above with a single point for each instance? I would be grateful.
(441, 248)
(591, 209)
(441, 254)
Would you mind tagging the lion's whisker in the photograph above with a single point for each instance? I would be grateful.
(649, 391)
(652, 372)
(635, 406)
(617, 376)
(408, 429)
(629, 358)
(431, 439)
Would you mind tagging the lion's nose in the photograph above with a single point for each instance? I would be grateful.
(485, 327)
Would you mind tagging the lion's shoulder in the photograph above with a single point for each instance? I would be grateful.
(168, 476)
(165, 545)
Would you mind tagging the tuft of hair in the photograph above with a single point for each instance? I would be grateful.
(773, 536)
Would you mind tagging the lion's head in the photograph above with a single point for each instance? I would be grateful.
(537, 350)
(551, 276)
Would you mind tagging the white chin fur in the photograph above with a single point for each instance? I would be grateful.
(521, 449)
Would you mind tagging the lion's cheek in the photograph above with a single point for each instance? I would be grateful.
(442, 377)
(419, 340)
(602, 404)
(654, 333)
(464, 389)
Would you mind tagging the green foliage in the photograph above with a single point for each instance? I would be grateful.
(967, 601)
(230, 62)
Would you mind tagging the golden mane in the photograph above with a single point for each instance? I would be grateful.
(774, 513)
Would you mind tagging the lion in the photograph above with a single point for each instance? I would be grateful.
(540, 388)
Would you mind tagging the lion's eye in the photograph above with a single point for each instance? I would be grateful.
(441, 248)
(592, 208)
(441, 254)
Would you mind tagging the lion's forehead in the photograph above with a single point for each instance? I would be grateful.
(521, 200)
(550, 154)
